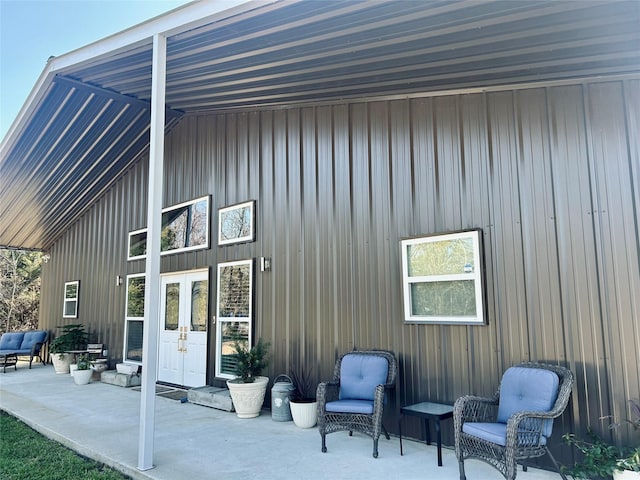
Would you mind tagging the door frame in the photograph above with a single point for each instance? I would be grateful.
(185, 275)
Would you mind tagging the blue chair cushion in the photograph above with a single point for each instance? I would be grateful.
(360, 375)
(492, 432)
(350, 406)
(11, 340)
(527, 389)
(31, 338)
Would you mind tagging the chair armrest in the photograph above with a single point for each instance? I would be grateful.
(471, 408)
(525, 428)
(327, 392)
(36, 347)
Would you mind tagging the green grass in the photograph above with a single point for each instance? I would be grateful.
(27, 455)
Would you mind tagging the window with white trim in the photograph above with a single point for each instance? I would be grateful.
(234, 311)
(134, 318)
(185, 226)
(443, 279)
(137, 244)
(71, 298)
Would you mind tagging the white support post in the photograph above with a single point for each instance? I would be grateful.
(152, 272)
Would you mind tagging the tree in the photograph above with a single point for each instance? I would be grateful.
(19, 289)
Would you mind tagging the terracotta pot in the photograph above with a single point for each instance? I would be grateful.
(248, 397)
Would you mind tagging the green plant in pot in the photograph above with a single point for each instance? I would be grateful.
(72, 337)
(601, 459)
(83, 373)
(249, 387)
(250, 362)
(304, 407)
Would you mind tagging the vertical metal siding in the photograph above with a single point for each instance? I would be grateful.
(550, 174)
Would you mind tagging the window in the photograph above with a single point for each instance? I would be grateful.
(137, 244)
(443, 278)
(134, 318)
(71, 296)
(234, 311)
(185, 227)
(235, 223)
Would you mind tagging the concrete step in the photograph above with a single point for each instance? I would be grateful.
(214, 397)
(112, 377)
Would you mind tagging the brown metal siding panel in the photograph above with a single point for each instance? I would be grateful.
(616, 231)
(507, 232)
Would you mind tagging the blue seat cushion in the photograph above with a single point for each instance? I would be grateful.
(491, 432)
(11, 340)
(31, 338)
(350, 406)
(527, 389)
(360, 375)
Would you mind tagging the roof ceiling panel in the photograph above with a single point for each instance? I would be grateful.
(91, 121)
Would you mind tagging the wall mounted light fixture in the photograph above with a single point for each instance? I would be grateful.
(265, 264)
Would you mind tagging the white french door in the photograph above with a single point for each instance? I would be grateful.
(184, 314)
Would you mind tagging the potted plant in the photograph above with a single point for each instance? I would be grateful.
(602, 459)
(83, 373)
(248, 388)
(304, 407)
(72, 337)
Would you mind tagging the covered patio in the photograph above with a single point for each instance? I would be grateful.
(100, 421)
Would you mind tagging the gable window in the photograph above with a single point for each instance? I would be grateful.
(134, 318)
(71, 296)
(137, 244)
(185, 226)
(443, 279)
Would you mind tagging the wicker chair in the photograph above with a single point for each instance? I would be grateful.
(514, 424)
(354, 399)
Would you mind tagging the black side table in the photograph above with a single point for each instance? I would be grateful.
(427, 411)
(8, 360)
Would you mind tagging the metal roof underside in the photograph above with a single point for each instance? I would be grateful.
(89, 121)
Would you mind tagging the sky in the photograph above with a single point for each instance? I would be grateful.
(31, 31)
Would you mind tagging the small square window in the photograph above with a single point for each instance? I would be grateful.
(137, 244)
(443, 278)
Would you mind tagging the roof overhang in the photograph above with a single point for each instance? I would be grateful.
(86, 120)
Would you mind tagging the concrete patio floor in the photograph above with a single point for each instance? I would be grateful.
(193, 442)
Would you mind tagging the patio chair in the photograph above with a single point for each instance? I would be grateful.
(515, 424)
(354, 399)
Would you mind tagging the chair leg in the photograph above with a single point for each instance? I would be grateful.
(375, 448)
(384, 430)
(555, 464)
(461, 467)
(324, 443)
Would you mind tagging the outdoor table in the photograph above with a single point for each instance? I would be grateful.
(428, 411)
(8, 360)
(75, 354)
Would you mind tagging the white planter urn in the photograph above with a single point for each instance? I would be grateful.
(305, 414)
(626, 475)
(61, 362)
(248, 397)
(82, 377)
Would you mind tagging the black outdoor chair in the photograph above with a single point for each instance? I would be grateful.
(354, 399)
(516, 423)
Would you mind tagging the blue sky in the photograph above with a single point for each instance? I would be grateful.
(33, 30)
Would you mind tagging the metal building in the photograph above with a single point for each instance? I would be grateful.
(354, 125)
